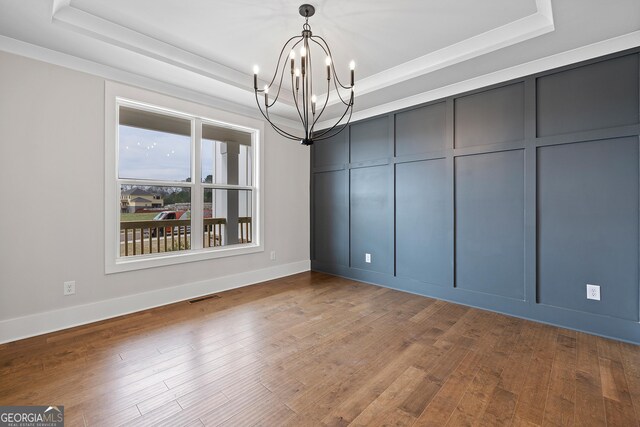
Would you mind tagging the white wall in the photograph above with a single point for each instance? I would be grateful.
(52, 210)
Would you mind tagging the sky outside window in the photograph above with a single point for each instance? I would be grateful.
(150, 154)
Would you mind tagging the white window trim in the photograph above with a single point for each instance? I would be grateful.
(117, 94)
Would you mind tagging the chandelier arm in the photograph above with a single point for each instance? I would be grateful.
(333, 70)
(305, 95)
(294, 94)
(310, 81)
(326, 101)
(284, 134)
(280, 131)
(284, 65)
(328, 88)
(349, 110)
(339, 95)
(277, 129)
(343, 126)
(309, 89)
(319, 44)
(340, 129)
(295, 99)
(275, 74)
(332, 63)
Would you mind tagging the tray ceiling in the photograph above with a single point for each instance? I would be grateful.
(403, 49)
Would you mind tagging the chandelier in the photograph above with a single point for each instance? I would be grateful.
(302, 87)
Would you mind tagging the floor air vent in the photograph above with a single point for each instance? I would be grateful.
(204, 298)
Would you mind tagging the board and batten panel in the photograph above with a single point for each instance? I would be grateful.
(489, 223)
(422, 130)
(588, 225)
(594, 96)
(331, 217)
(491, 117)
(332, 151)
(372, 219)
(370, 140)
(423, 231)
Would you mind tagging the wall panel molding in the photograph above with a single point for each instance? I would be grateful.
(509, 219)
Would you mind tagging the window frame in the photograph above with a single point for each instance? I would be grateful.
(117, 95)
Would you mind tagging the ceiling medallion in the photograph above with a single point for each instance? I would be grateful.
(302, 88)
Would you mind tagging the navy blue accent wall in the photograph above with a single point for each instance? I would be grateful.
(489, 228)
(510, 198)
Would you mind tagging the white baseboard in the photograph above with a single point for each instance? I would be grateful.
(50, 321)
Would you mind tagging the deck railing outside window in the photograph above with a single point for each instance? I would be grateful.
(157, 236)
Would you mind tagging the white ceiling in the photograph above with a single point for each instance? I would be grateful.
(406, 51)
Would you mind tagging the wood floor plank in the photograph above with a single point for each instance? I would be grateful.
(618, 404)
(348, 409)
(392, 397)
(475, 399)
(630, 363)
(156, 416)
(617, 399)
(589, 409)
(318, 350)
(560, 404)
(111, 419)
(515, 368)
(240, 406)
(439, 410)
(533, 397)
(499, 412)
(397, 418)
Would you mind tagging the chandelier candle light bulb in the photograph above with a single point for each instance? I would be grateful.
(352, 67)
(306, 102)
(255, 77)
(328, 62)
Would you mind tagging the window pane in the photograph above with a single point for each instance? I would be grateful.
(226, 156)
(154, 219)
(153, 146)
(228, 217)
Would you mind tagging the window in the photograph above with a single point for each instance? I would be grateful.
(185, 184)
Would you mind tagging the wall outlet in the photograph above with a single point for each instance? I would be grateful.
(367, 258)
(70, 287)
(273, 255)
(593, 292)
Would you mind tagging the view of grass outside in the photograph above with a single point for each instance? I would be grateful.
(141, 216)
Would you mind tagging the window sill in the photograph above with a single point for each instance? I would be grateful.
(120, 265)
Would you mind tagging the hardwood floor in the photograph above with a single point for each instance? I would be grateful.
(314, 349)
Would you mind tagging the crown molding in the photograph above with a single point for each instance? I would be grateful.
(569, 57)
(65, 15)
(534, 25)
(28, 50)
(70, 17)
